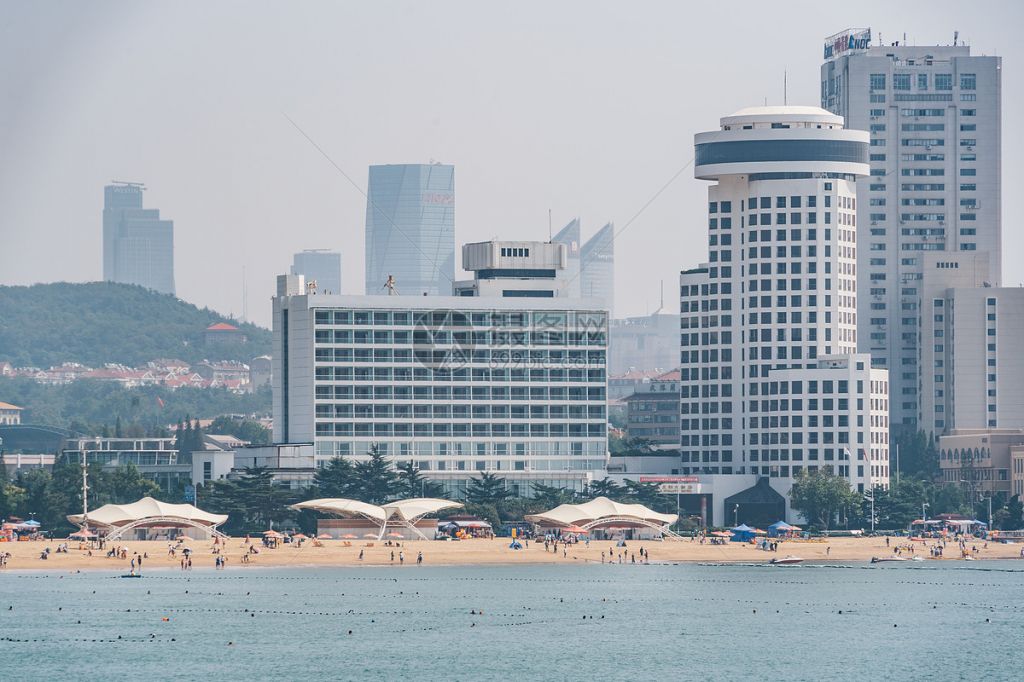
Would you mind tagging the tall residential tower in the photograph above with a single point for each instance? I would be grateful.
(933, 114)
(410, 229)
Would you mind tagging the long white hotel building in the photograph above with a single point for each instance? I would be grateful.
(772, 383)
(933, 114)
(515, 385)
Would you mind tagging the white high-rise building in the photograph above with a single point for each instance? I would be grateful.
(771, 380)
(933, 113)
(972, 347)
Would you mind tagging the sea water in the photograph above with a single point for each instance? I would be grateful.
(950, 620)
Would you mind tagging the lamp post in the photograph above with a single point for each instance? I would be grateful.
(924, 514)
(736, 515)
(870, 497)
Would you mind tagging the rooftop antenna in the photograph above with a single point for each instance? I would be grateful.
(390, 286)
(549, 226)
(785, 88)
(85, 496)
(956, 36)
(245, 299)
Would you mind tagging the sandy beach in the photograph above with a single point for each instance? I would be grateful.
(25, 555)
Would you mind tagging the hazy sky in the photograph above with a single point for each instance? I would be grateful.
(583, 108)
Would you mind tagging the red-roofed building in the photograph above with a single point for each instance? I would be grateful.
(627, 383)
(223, 333)
(10, 414)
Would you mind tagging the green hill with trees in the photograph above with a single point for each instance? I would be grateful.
(102, 322)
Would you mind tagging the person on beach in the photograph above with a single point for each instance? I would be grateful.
(360, 555)
(401, 558)
(419, 558)
(392, 556)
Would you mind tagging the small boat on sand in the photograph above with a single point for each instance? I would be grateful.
(786, 561)
(885, 559)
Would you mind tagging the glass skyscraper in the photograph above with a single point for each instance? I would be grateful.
(138, 247)
(570, 236)
(410, 229)
(597, 267)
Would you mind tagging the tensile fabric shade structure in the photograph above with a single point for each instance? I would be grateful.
(602, 512)
(400, 513)
(113, 520)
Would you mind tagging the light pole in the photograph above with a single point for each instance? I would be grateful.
(870, 497)
(736, 515)
(924, 514)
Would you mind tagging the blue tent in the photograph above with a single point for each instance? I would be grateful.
(780, 528)
(742, 533)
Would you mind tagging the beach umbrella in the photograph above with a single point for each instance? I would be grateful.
(325, 536)
(32, 522)
(300, 536)
(83, 534)
(395, 535)
(370, 535)
(349, 536)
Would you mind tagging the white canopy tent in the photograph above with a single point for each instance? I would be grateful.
(117, 519)
(400, 513)
(604, 512)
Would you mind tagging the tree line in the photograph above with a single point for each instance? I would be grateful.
(96, 323)
(85, 406)
(916, 488)
(254, 501)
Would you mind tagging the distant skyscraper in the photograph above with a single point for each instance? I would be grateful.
(410, 228)
(321, 265)
(570, 236)
(933, 113)
(597, 267)
(138, 247)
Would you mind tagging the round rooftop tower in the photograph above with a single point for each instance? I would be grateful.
(786, 140)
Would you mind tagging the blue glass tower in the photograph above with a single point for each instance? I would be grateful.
(597, 267)
(410, 229)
